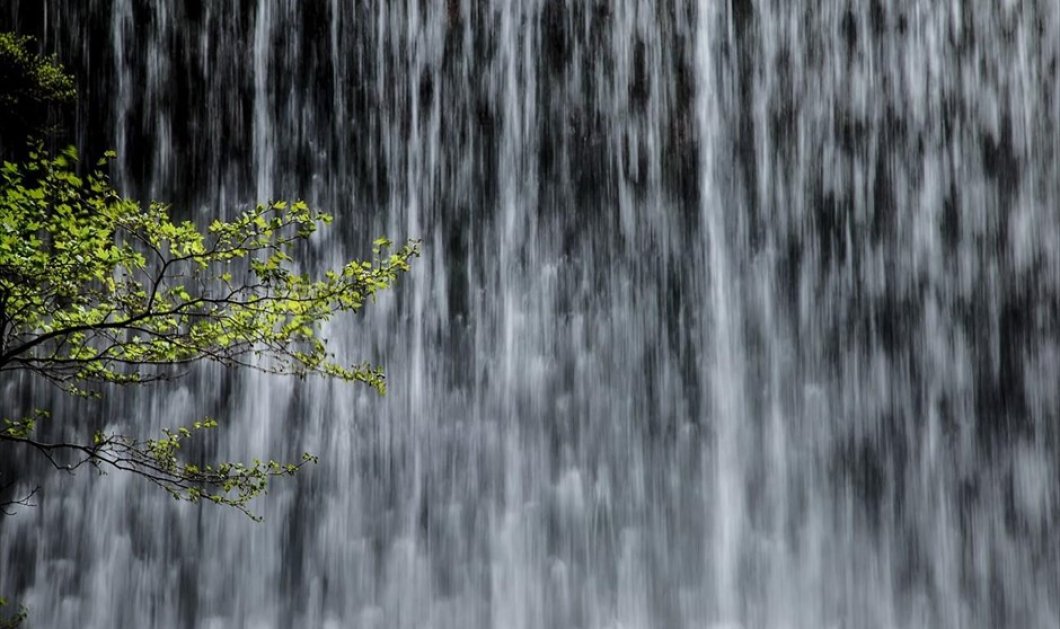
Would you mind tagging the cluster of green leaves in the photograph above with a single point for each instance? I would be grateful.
(97, 290)
(31, 85)
(23, 427)
(159, 461)
(232, 484)
(11, 622)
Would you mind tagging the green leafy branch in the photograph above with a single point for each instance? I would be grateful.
(99, 290)
(11, 622)
(95, 288)
(32, 87)
(158, 461)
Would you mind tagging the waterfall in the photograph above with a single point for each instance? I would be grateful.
(734, 313)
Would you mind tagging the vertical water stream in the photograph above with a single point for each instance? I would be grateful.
(732, 314)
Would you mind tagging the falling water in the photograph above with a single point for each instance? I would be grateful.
(731, 314)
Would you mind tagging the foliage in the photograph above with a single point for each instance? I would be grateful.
(31, 85)
(97, 290)
(11, 622)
